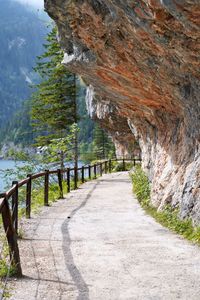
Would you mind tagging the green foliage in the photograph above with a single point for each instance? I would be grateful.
(119, 166)
(100, 147)
(60, 150)
(19, 129)
(38, 196)
(141, 186)
(54, 105)
(102, 144)
(6, 269)
(169, 217)
(6, 291)
(54, 101)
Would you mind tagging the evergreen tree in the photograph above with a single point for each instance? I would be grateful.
(103, 146)
(54, 107)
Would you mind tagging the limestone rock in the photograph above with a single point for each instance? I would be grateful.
(140, 60)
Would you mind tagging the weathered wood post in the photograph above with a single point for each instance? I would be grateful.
(101, 171)
(134, 161)
(124, 166)
(59, 173)
(15, 200)
(46, 188)
(110, 166)
(82, 174)
(106, 167)
(95, 171)
(75, 178)
(11, 236)
(68, 180)
(28, 196)
(89, 171)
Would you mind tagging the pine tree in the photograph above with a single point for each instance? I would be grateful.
(54, 107)
(103, 146)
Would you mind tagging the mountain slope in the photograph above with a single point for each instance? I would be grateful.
(22, 34)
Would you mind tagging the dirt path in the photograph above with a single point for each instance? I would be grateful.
(98, 244)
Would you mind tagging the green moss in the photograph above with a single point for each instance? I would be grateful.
(169, 216)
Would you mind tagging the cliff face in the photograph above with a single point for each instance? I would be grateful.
(140, 60)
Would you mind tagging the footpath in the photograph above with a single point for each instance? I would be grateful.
(98, 244)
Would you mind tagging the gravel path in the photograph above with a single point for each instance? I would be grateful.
(98, 244)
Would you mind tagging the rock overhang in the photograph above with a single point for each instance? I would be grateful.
(141, 60)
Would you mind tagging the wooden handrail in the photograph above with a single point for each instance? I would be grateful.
(53, 172)
(11, 191)
(38, 175)
(21, 183)
(1, 204)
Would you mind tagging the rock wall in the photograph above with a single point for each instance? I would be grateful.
(140, 60)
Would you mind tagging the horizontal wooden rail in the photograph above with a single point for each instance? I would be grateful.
(2, 203)
(22, 182)
(11, 191)
(54, 172)
(38, 175)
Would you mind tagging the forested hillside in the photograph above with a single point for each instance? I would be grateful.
(22, 34)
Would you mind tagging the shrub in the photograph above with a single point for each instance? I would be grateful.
(119, 166)
(169, 217)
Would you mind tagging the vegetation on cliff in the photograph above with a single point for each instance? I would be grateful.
(168, 217)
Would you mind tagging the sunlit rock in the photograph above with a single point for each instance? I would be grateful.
(141, 61)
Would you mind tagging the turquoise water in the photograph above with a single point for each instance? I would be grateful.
(5, 164)
(10, 164)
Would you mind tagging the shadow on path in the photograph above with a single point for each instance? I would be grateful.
(83, 290)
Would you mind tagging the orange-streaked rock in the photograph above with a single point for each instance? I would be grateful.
(141, 60)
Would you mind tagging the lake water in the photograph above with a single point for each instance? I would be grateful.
(5, 164)
(10, 164)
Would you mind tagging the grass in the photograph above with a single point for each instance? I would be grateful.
(168, 217)
(119, 166)
(5, 267)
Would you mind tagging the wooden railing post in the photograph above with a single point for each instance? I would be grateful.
(75, 178)
(82, 174)
(11, 238)
(124, 167)
(106, 167)
(101, 171)
(95, 171)
(15, 200)
(68, 180)
(110, 166)
(28, 196)
(89, 172)
(60, 183)
(134, 161)
(46, 188)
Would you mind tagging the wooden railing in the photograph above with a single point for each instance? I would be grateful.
(9, 214)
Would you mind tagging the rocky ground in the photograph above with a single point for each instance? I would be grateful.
(99, 244)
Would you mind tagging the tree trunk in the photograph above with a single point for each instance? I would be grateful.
(62, 165)
(76, 132)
